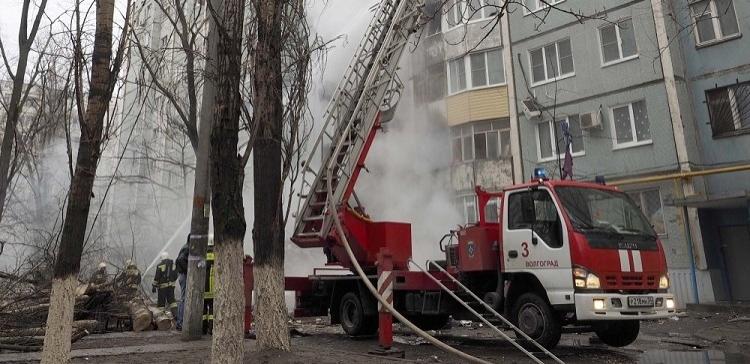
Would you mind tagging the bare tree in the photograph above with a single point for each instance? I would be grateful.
(67, 265)
(226, 186)
(268, 231)
(19, 95)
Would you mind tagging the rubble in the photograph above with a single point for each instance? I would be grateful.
(99, 307)
(740, 318)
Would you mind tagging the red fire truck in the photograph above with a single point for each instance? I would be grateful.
(563, 254)
(548, 255)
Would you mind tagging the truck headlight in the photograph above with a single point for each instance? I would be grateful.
(670, 303)
(585, 279)
(592, 281)
(663, 282)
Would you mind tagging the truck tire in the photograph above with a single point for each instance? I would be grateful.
(618, 333)
(534, 316)
(353, 318)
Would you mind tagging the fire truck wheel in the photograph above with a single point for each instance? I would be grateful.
(618, 333)
(534, 316)
(353, 318)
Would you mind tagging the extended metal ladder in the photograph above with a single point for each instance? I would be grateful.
(369, 86)
(491, 310)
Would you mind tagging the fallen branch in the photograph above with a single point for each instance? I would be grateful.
(34, 331)
(691, 344)
(21, 348)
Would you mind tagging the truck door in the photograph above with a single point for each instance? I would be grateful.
(535, 240)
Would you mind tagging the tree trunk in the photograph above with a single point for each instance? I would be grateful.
(68, 262)
(268, 232)
(226, 188)
(229, 306)
(59, 321)
(193, 316)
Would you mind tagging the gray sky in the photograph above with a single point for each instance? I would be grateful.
(329, 17)
(10, 17)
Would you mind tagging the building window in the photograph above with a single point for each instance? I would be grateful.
(630, 125)
(485, 68)
(492, 210)
(649, 201)
(618, 42)
(551, 62)
(454, 12)
(430, 86)
(729, 109)
(460, 12)
(546, 138)
(714, 20)
(468, 207)
(484, 140)
(456, 75)
(531, 6)
(482, 9)
(432, 11)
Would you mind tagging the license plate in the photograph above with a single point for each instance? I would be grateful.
(640, 301)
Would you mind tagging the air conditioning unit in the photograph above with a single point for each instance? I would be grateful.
(530, 108)
(592, 120)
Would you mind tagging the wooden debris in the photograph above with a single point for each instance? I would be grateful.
(140, 315)
(162, 318)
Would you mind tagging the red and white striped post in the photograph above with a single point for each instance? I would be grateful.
(385, 289)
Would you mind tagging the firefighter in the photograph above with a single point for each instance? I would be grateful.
(164, 284)
(181, 266)
(208, 294)
(128, 281)
(99, 278)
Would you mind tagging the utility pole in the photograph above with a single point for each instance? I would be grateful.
(192, 323)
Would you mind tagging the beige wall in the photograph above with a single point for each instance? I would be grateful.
(488, 103)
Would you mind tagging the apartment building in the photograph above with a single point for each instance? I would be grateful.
(154, 178)
(712, 83)
(654, 94)
(459, 81)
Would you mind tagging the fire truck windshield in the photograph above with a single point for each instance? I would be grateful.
(603, 211)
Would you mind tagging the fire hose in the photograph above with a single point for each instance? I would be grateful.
(373, 290)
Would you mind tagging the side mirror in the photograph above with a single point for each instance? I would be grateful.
(528, 210)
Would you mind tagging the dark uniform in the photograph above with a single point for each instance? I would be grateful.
(128, 282)
(164, 285)
(208, 294)
(99, 278)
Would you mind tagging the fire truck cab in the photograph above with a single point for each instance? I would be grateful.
(556, 254)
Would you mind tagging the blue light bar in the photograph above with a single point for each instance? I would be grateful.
(540, 173)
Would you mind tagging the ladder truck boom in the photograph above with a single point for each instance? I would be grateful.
(370, 85)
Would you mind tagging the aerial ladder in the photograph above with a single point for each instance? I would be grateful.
(360, 105)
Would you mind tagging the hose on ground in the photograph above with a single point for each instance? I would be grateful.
(340, 230)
